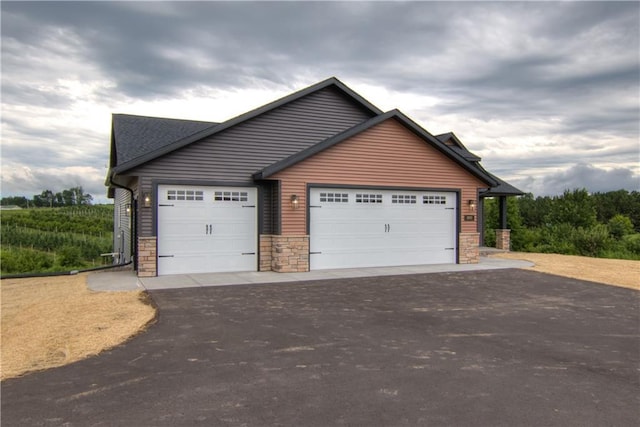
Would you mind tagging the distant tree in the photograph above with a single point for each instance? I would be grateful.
(44, 199)
(68, 197)
(80, 197)
(21, 201)
(573, 207)
(534, 211)
(617, 202)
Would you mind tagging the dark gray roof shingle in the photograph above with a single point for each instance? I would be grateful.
(135, 136)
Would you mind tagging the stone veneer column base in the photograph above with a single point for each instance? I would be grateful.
(289, 254)
(468, 248)
(147, 260)
(266, 245)
(503, 239)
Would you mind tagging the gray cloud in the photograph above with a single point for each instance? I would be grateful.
(568, 69)
(579, 176)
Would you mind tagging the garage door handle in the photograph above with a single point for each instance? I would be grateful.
(208, 229)
(165, 256)
(248, 253)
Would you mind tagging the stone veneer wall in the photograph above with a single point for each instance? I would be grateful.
(266, 245)
(289, 254)
(147, 261)
(503, 239)
(468, 248)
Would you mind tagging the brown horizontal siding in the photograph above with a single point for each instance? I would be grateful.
(385, 155)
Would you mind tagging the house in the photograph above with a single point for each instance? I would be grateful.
(319, 179)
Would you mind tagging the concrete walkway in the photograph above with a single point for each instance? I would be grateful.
(127, 280)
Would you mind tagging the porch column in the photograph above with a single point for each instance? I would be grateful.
(503, 212)
(503, 234)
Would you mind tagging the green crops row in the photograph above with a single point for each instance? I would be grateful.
(90, 220)
(24, 237)
(55, 239)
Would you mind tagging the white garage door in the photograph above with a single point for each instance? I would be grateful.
(206, 229)
(370, 228)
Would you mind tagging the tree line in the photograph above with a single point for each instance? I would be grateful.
(74, 196)
(574, 223)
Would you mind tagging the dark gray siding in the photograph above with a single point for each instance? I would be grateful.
(122, 232)
(234, 154)
(269, 204)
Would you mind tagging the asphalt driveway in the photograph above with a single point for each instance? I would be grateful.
(505, 347)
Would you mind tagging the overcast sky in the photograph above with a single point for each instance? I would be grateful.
(548, 94)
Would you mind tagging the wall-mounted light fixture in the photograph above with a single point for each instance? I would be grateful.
(127, 208)
(146, 200)
(472, 205)
(295, 202)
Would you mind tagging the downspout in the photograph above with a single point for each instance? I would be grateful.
(134, 221)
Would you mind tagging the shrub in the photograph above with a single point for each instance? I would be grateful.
(632, 243)
(70, 256)
(16, 260)
(620, 225)
(591, 241)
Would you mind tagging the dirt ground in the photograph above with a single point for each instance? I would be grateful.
(53, 321)
(616, 272)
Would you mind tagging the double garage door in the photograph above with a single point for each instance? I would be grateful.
(206, 229)
(214, 229)
(371, 228)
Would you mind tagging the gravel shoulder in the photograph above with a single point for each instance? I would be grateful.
(54, 321)
(615, 272)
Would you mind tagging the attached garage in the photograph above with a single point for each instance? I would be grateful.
(351, 228)
(319, 179)
(206, 229)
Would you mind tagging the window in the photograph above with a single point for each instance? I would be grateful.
(434, 200)
(185, 195)
(334, 197)
(403, 198)
(230, 196)
(368, 198)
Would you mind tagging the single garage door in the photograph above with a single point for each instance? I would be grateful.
(371, 228)
(206, 229)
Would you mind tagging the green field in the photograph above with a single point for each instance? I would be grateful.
(55, 239)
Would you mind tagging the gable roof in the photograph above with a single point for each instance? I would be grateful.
(393, 114)
(134, 136)
(501, 189)
(212, 130)
(451, 140)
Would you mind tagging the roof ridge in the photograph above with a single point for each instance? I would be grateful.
(160, 118)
